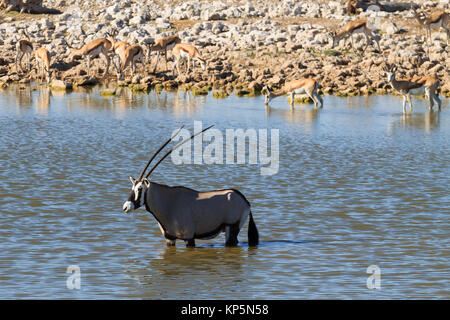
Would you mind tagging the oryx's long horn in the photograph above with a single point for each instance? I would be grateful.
(170, 151)
(156, 153)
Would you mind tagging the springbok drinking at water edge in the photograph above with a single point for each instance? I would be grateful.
(309, 86)
(187, 214)
(43, 62)
(93, 49)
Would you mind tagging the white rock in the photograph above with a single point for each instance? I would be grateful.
(113, 9)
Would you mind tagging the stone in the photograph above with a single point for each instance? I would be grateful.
(60, 85)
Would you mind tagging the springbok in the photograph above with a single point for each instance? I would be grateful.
(417, 85)
(131, 55)
(187, 214)
(93, 49)
(118, 48)
(184, 51)
(24, 47)
(351, 28)
(308, 85)
(163, 44)
(43, 62)
(436, 19)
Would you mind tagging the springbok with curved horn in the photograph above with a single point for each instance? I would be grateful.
(352, 27)
(24, 47)
(93, 49)
(427, 85)
(130, 55)
(187, 214)
(308, 85)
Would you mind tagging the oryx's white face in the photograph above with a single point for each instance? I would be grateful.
(137, 196)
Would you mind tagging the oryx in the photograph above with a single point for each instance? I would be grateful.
(187, 214)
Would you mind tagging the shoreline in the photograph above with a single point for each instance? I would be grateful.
(245, 49)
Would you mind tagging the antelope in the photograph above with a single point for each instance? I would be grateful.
(417, 85)
(43, 60)
(24, 47)
(163, 44)
(358, 26)
(187, 214)
(118, 48)
(184, 51)
(130, 56)
(308, 85)
(92, 49)
(436, 19)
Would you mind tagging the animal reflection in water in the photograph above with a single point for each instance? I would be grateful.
(186, 214)
(427, 121)
(300, 115)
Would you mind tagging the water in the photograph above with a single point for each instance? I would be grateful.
(359, 184)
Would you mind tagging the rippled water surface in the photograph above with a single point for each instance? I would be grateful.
(359, 184)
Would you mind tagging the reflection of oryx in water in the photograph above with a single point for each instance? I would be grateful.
(186, 214)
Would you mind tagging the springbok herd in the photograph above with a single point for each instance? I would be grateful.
(125, 55)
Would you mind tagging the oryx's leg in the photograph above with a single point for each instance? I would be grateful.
(190, 243)
(353, 45)
(170, 242)
(231, 235)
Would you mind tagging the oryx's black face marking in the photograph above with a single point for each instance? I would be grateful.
(137, 195)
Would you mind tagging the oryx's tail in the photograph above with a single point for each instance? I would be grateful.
(253, 236)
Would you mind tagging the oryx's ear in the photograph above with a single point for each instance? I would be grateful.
(146, 183)
(394, 69)
(133, 181)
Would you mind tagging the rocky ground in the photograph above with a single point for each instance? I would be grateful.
(247, 44)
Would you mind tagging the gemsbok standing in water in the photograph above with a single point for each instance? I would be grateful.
(186, 214)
